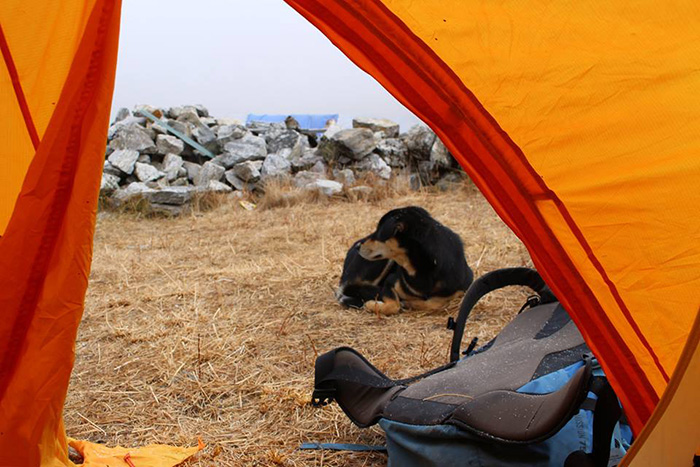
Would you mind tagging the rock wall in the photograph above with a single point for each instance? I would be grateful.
(151, 160)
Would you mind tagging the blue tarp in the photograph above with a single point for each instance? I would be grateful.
(306, 121)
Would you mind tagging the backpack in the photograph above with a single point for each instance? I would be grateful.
(532, 396)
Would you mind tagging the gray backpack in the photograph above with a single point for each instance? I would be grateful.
(528, 397)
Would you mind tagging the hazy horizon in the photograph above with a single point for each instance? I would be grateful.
(238, 57)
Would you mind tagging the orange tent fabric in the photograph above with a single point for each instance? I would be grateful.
(57, 84)
(578, 121)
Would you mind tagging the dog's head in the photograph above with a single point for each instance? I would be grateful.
(385, 242)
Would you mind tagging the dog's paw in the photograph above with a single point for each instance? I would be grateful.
(386, 308)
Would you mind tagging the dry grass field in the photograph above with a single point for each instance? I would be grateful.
(207, 326)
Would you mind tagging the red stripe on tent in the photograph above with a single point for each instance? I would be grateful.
(17, 85)
(371, 49)
(64, 160)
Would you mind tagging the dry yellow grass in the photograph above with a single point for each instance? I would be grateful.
(208, 326)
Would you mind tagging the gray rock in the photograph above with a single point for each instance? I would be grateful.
(419, 142)
(393, 151)
(208, 121)
(189, 115)
(172, 166)
(375, 164)
(126, 122)
(307, 160)
(332, 129)
(325, 187)
(218, 187)
(199, 131)
(304, 178)
(174, 112)
(275, 166)
(147, 173)
(167, 144)
(319, 167)
(158, 128)
(237, 183)
(109, 184)
(132, 190)
(124, 160)
(439, 154)
(224, 121)
(201, 110)
(182, 127)
(159, 184)
(247, 148)
(206, 137)
(289, 140)
(108, 168)
(248, 171)
(227, 133)
(261, 128)
(122, 114)
(133, 137)
(177, 111)
(182, 181)
(345, 176)
(209, 171)
(173, 195)
(144, 159)
(192, 170)
(355, 144)
(149, 108)
(389, 128)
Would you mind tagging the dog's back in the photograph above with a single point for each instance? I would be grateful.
(451, 267)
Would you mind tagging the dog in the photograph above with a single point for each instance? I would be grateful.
(431, 267)
(362, 280)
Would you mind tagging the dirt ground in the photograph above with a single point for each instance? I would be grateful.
(207, 326)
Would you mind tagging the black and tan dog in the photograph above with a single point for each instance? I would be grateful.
(430, 258)
(362, 280)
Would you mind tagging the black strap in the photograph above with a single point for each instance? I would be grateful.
(606, 415)
(488, 283)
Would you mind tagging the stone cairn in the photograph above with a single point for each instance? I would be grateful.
(145, 160)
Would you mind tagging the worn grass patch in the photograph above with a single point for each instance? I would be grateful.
(208, 325)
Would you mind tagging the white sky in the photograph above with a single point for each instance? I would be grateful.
(238, 57)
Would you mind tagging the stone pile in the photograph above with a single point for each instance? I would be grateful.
(149, 160)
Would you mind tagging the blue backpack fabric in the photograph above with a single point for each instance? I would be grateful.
(533, 396)
(441, 445)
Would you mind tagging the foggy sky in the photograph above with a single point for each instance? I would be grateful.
(238, 57)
